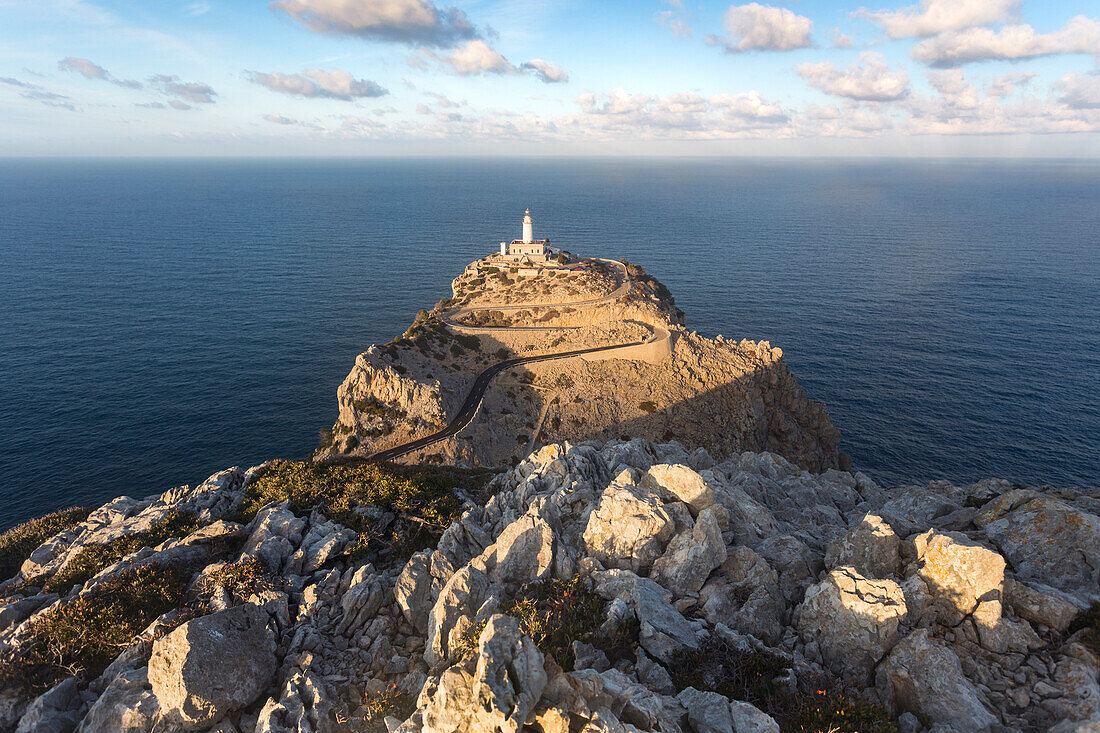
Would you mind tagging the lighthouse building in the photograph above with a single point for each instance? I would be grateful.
(528, 247)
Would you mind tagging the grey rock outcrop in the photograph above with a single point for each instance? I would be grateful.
(212, 666)
(923, 677)
(853, 620)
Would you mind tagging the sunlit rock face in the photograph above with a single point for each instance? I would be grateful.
(594, 586)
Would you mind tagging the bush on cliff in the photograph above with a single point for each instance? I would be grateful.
(20, 541)
(94, 558)
(422, 495)
(81, 637)
(751, 676)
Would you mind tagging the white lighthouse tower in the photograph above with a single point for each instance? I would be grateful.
(528, 228)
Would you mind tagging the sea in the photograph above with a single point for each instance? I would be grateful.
(163, 319)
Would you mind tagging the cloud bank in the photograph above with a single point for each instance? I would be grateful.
(412, 22)
(756, 27)
(332, 84)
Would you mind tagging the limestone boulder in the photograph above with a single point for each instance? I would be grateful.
(59, 709)
(465, 595)
(744, 594)
(522, 553)
(1041, 604)
(710, 712)
(212, 665)
(923, 677)
(853, 620)
(963, 577)
(664, 632)
(497, 694)
(691, 556)
(679, 483)
(127, 705)
(628, 528)
(871, 547)
(1047, 540)
(305, 705)
(420, 582)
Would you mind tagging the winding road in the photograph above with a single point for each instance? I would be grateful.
(470, 406)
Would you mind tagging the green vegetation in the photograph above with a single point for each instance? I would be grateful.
(94, 558)
(554, 613)
(647, 406)
(422, 495)
(390, 702)
(1089, 622)
(242, 579)
(19, 542)
(750, 676)
(84, 635)
(468, 341)
(374, 407)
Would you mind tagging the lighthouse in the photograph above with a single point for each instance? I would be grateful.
(528, 228)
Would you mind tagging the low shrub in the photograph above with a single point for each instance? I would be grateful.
(750, 676)
(391, 702)
(647, 406)
(20, 541)
(554, 613)
(84, 635)
(93, 558)
(242, 579)
(423, 495)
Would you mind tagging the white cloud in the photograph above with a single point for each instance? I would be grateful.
(684, 115)
(868, 80)
(938, 16)
(756, 27)
(841, 40)
(90, 70)
(954, 88)
(192, 91)
(546, 71)
(1079, 91)
(332, 84)
(1080, 35)
(674, 18)
(477, 57)
(414, 22)
(1006, 84)
(194, 10)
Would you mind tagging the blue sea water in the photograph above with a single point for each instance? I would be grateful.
(160, 320)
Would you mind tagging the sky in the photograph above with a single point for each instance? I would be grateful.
(970, 78)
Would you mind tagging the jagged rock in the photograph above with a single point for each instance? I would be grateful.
(963, 577)
(304, 706)
(275, 535)
(622, 703)
(57, 710)
(324, 541)
(1040, 604)
(497, 695)
(744, 594)
(509, 677)
(1046, 540)
(923, 677)
(15, 611)
(628, 529)
(212, 665)
(691, 556)
(854, 620)
(708, 712)
(796, 564)
(361, 601)
(678, 483)
(456, 610)
(128, 705)
(586, 656)
(664, 630)
(420, 583)
(750, 719)
(522, 553)
(871, 547)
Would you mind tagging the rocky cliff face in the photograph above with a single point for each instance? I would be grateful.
(724, 396)
(598, 586)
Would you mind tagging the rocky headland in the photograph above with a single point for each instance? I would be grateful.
(710, 570)
(721, 395)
